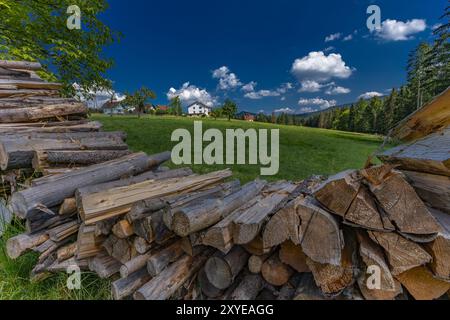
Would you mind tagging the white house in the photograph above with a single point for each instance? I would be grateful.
(199, 109)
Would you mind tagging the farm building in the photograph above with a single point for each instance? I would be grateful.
(199, 109)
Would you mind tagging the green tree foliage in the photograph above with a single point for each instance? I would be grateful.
(175, 105)
(229, 109)
(36, 30)
(216, 113)
(139, 99)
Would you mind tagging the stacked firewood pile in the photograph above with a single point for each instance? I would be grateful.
(40, 131)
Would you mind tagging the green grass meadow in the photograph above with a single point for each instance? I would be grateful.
(303, 152)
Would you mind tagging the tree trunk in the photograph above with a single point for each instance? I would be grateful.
(125, 287)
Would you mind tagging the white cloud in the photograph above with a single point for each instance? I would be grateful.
(370, 94)
(310, 86)
(330, 48)
(393, 30)
(435, 26)
(337, 90)
(284, 110)
(227, 79)
(255, 95)
(189, 93)
(283, 98)
(333, 37)
(317, 66)
(348, 38)
(249, 87)
(319, 102)
(306, 110)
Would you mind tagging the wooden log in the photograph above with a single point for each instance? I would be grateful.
(104, 228)
(171, 279)
(27, 84)
(248, 288)
(364, 212)
(276, 272)
(338, 192)
(125, 287)
(54, 158)
(135, 264)
(117, 201)
(68, 207)
(122, 250)
(17, 245)
(288, 290)
(207, 288)
(46, 221)
(141, 245)
(123, 229)
(401, 253)
(63, 266)
(63, 231)
(88, 244)
(321, 238)
(25, 202)
(421, 284)
(372, 256)
(201, 215)
(439, 249)
(163, 257)
(401, 203)
(293, 256)
(429, 154)
(152, 228)
(283, 225)
(220, 235)
(255, 262)
(38, 112)
(104, 265)
(432, 189)
(66, 252)
(248, 225)
(430, 118)
(256, 247)
(50, 247)
(221, 270)
(26, 65)
(172, 204)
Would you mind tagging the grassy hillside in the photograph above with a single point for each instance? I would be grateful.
(303, 151)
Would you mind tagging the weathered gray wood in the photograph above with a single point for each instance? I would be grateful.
(26, 65)
(207, 288)
(63, 231)
(28, 84)
(141, 245)
(17, 245)
(122, 229)
(88, 243)
(125, 287)
(248, 288)
(163, 286)
(104, 265)
(201, 215)
(25, 202)
(429, 154)
(38, 112)
(52, 158)
(221, 270)
(5, 217)
(122, 250)
(135, 264)
(432, 189)
(163, 257)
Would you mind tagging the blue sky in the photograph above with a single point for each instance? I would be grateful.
(298, 56)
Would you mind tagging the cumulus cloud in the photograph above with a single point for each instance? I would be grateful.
(348, 37)
(284, 110)
(189, 94)
(306, 110)
(337, 90)
(310, 86)
(393, 30)
(98, 97)
(227, 79)
(332, 37)
(370, 94)
(255, 95)
(318, 102)
(319, 67)
(249, 87)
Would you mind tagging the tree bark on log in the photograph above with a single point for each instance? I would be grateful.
(66, 252)
(171, 279)
(17, 245)
(55, 158)
(199, 216)
(26, 65)
(255, 262)
(104, 265)
(221, 270)
(28, 84)
(248, 288)
(51, 194)
(122, 250)
(163, 257)
(125, 287)
(135, 264)
(207, 288)
(39, 112)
